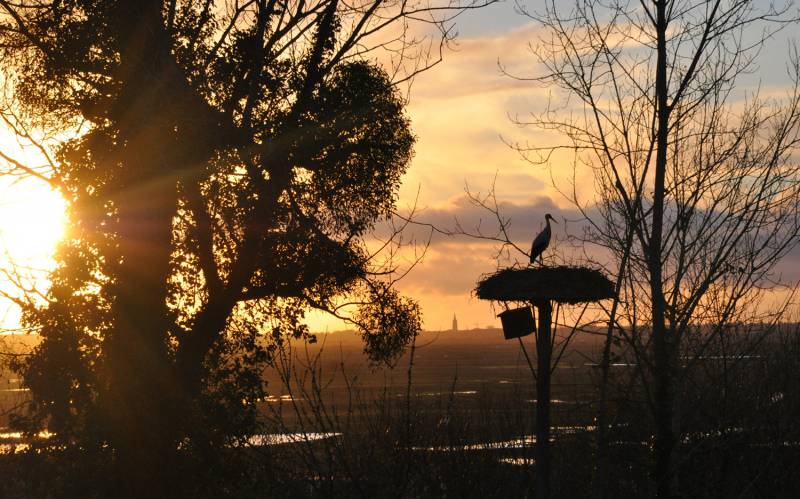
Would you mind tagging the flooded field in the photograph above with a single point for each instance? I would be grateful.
(469, 393)
(465, 363)
(462, 417)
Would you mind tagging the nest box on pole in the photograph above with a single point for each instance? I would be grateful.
(540, 287)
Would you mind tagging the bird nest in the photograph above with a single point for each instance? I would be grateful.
(560, 284)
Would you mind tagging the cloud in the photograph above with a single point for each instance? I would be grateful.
(449, 269)
(788, 270)
(523, 217)
(455, 261)
(475, 65)
(462, 216)
(461, 113)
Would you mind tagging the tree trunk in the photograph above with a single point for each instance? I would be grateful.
(544, 350)
(664, 439)
(602, 468)
(142, 392)
(140, 383)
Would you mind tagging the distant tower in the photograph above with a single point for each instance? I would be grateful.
(455, 323)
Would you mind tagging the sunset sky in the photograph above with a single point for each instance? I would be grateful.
(462, 116)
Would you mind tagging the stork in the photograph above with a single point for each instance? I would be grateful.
(542, 240)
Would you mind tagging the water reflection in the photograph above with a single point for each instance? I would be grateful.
(517, 461)
(517, 443)
(287, 438)
(12, 441)
(15, 441)
(439, 394)
(280, 398)
(556, 401)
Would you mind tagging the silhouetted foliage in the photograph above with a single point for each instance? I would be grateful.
(389, 322)
(224, 163)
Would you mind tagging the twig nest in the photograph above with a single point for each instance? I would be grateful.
(560, 284)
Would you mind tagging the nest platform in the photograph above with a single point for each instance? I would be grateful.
(561, 284)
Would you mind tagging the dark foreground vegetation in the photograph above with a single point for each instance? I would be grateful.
(332, 426)
(230, 165)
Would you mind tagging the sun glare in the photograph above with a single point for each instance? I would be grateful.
(32, 221)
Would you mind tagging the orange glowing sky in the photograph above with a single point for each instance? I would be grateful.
(461, 112)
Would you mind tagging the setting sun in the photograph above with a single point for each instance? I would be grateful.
(32, 219)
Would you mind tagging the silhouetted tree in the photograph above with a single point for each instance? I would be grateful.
(224, 162)
(696, 187)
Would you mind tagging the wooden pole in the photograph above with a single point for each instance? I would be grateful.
(544, 351)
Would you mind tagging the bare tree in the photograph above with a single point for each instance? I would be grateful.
(696, 185)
